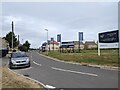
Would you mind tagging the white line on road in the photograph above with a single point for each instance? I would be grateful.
(50, 87)
(37, 63)
(74, 71)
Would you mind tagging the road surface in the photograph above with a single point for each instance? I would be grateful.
(55, 74)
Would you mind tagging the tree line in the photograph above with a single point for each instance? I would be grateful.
(22, 47)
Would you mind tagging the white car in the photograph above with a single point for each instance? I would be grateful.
(19, 59)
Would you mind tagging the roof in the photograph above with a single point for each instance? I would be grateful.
(53, 42)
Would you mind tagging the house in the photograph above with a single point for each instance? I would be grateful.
(53, 45)
(90, 45)
(73, 44)
(76, 45)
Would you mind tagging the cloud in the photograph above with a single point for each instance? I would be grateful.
(31, 19)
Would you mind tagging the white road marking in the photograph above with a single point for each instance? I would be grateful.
(50, 87)
(37, 63)
(74, 71)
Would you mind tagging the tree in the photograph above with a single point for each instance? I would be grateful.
(9, 39)
(25, 47)
(27, 44)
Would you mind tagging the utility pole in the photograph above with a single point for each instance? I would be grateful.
(12, 34)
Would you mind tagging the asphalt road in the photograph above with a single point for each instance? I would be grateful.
(55, 74)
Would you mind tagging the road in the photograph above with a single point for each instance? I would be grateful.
(55, 74)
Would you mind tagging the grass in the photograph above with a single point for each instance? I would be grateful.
(108, 57)
(11, 80)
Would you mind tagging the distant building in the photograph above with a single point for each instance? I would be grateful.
(72, 44)
(76, 45)
(53, 45)
(67, 46)
(90, 45)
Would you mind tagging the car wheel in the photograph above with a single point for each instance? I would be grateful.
(29, 64)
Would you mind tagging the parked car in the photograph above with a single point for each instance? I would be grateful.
(19, 59)
(3, 52)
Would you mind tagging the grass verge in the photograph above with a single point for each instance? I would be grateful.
(12, 80)
(108, 57)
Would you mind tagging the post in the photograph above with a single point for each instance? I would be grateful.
(119, 48)
(98, 47)
(79, 46)
(79, 41)
(47, 41)
(53, 45)
(12, 34)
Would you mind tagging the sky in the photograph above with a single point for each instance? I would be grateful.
(65, 18)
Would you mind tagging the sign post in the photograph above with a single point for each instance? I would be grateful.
(98, 47)
(108, 40)
(59, 40)
(80, 39)
(52, 39)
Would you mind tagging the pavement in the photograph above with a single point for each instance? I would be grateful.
(55, 74)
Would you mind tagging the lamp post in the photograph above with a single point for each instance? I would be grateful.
(47, 40)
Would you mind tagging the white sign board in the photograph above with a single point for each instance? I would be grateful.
(108, 45)
(108, 40)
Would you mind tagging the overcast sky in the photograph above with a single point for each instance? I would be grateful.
(67, 19)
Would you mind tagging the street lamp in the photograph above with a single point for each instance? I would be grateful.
(47, 40)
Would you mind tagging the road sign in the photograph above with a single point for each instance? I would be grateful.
(108, 45)
(108, 40)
